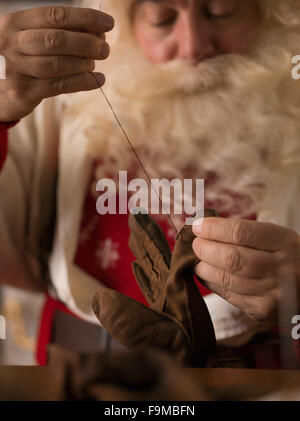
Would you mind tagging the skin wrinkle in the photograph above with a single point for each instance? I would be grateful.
(237, 122)
(200, 29)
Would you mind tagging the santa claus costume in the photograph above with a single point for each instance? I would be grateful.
(232, 120)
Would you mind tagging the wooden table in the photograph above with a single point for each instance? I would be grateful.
(39, 383)
(245, 383)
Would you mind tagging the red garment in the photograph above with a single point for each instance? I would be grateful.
(3, 140)
(44, 335)
(103, 252)
(108, 235)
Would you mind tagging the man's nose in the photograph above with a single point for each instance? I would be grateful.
(195, 40)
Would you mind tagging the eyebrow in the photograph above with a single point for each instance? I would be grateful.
(155, 1)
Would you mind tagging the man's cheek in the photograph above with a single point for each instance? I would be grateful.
(160, 50)
(236, 40)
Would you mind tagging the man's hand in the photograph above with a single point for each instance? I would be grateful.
(49, 51)
(246, 262)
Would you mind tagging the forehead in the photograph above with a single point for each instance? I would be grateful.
(167, 2)
(178, 3)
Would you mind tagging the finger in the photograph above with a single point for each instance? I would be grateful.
(59, 42)
(232, 282)
(76, 18)
(260, 235)
(259, 308)
(53, 66)
(242, 261)
(45, 88)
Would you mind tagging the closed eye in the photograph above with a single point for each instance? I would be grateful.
(219, 15)
(221, 10)
(165, 22)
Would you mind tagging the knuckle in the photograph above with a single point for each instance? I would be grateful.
(4, 38)
(3, 43)
(85, 65)
(60, 85)
(225, 294)
(21, 39)
(53, 40)
(6, 21)
(57, 65)
(39, 67)
(9, 42)
(57, 15)
(265, 311)
(287, 270)
(197, 248)
(280, 258)
(104, 50)
(16, 90)
(241, 233)
(293, 242)
(91, 65)
(224, 279)
(6, 45)
(234, 260)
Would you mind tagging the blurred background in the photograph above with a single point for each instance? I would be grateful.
(20, 309)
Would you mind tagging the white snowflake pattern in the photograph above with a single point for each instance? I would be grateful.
(107, 254)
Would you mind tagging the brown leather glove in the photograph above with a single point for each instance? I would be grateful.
(135, 375)
(178, 320)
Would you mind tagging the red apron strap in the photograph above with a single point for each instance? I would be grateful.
(44, 336)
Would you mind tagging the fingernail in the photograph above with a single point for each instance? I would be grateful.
(104, 50)
(196, 269)
(108, 22)
(100, 79)
(197, 226)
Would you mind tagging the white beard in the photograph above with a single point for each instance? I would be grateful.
(237, 116)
